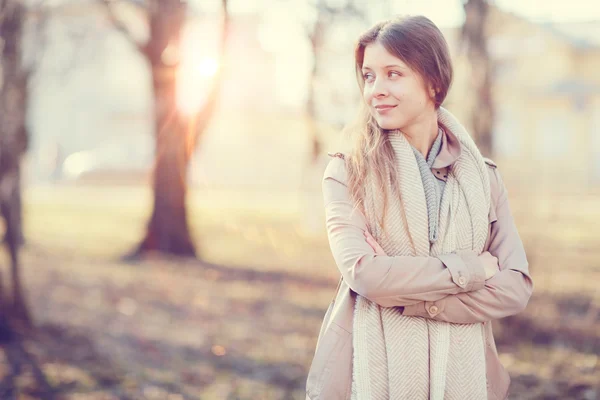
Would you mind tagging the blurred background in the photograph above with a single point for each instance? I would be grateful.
(160, 172)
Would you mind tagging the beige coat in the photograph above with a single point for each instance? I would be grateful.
(450, 287)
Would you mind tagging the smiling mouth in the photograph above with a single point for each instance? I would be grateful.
(383, 109)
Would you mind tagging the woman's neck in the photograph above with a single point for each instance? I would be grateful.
(422, 134)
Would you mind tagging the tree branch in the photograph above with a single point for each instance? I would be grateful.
(121, 27)
(211, 101)
(39, 15)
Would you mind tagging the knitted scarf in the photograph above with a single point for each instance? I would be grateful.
(401, 357)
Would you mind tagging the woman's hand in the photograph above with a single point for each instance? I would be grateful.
(374, 245)
(490, 264)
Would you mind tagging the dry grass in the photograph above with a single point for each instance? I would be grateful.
(242, 323)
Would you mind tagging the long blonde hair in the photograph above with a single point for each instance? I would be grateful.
(421, 45)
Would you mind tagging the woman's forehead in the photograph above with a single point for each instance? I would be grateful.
(377, 56)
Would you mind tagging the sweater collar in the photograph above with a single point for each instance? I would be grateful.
(435, 148)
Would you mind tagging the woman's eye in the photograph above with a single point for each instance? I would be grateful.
(368, 77)
(394, 74)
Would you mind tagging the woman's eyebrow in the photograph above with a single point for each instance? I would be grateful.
(386, 67)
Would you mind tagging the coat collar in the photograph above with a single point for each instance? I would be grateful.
(450, 150)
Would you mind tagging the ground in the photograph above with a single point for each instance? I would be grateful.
(242, 322)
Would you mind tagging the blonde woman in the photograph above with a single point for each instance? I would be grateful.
(421, 230)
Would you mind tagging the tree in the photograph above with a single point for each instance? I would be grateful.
(322, 95)
(349, 14)
(13, 144)
(326, 16)
(176, 133)
(316, 38)
(474, 38)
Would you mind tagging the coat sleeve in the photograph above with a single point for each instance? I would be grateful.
(506, 293)
(385, 280)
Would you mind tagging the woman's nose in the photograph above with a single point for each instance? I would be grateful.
(379, 89)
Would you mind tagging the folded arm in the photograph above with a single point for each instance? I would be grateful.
(388, 281)
(506, 293)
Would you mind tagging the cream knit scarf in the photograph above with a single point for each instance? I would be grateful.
(401, 357)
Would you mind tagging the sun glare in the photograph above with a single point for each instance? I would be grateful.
(208, 67)
(194, 82)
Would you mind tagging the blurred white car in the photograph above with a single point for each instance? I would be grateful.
(126, 159)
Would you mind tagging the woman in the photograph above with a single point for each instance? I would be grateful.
(420, 228)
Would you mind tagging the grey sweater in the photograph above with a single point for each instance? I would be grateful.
(433, 190)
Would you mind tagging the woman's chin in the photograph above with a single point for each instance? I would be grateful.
(388, 125)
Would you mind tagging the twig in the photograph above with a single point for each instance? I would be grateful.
(121, 27)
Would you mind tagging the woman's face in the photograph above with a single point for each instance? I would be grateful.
(395, 94)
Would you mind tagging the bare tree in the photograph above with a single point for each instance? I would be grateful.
(176, 134)
(13, 144)
(474, 38)
(326, 15)
(316, 39)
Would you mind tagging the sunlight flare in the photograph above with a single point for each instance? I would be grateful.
(195, 78)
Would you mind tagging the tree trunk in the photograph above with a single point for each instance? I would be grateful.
(168, 230)
(474, 35)
(11, 203)
(176, 133)
(316, 39)
(6, 333)
(13, 143)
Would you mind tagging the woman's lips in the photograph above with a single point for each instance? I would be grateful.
(382, 109)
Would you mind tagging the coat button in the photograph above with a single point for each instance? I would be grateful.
(433, 310)
(462, 281)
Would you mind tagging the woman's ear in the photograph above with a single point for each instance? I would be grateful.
(432, 91)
